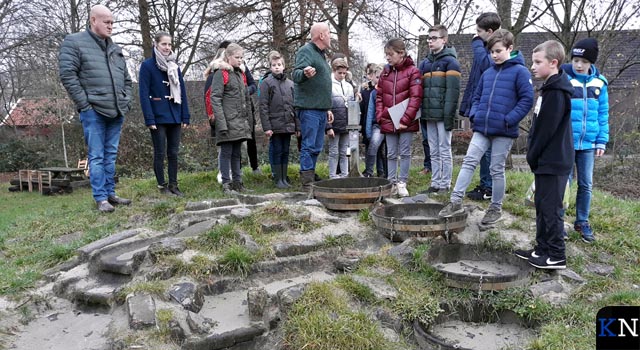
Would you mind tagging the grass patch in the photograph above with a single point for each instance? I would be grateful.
(321, 320)
(356, 290)
(341, 241)
(155, 288)
(494, 242)
(364, 216)
(236, 260)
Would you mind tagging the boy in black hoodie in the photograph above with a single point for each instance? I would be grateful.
(550, 155)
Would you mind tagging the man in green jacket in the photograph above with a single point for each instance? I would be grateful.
(95, 74)
(312, 99)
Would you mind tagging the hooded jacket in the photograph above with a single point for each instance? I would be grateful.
(231, 104)
(157, 108)
(589, 109)
(481, 62)
(503, 98)
(341, 93)
(276, 105)
(550, 149)
(441, 87)
(94, 73)
(396, 84)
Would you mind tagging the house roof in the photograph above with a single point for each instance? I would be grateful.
(42, 111)
(620, 64)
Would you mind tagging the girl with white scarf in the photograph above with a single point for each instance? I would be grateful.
(163, 99)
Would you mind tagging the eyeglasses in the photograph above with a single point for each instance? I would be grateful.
(434, 38)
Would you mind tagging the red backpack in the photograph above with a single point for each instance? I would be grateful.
(207, 94)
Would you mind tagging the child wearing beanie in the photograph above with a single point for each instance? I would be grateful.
(590, 124)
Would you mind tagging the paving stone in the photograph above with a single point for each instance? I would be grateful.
(403, 252)
(248, 242)
(571, 276)
(298, 248)
(125, 263)
(381, 289)
(311, 203)
(100, 295)
(199, 324)
(257, 299)
(543, 288)
(188, 295)
(346, 264)
(142, 311)
(202, 205)
(226, 339)
(601, 269)
(85, 252)
(288, 296)
(197, 229)
(240, 213)
(166, 246)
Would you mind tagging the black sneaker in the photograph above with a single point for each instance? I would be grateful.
(473, 191)
(548, 263)
(430, 190)
(586, 233)
(175, 190)
(480, 194)
(526, 254)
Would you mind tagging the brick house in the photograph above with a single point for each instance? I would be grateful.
(35, 117)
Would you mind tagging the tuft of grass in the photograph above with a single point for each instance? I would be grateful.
(414, 302)
(163, 320)
(520, 301)
(356, 290)
(364, 215)
(321, 320)
(155, 288)
(494, 242)
(236, 260)
(218, 237)
(339, 241)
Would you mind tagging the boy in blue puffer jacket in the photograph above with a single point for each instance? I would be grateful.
(502, 99)
(590, 124)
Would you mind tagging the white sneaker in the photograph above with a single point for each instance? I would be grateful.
(219, 177)
(402, 189)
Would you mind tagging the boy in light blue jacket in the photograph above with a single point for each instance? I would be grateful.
(590, 124)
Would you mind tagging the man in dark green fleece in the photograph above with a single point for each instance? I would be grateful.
(312, 98)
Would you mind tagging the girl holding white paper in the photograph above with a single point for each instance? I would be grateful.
(400, 80)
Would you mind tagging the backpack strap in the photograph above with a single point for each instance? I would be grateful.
(225, 76)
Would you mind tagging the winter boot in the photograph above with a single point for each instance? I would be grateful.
(306, 178)
(285, 178)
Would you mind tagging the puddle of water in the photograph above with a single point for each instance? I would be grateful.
(483, 336)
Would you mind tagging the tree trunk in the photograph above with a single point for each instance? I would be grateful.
(279, 28)
(145, 28)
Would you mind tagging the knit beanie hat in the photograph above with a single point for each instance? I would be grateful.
(587, 49)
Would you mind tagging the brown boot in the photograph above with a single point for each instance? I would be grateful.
(307, 177)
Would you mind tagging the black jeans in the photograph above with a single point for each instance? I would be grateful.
(166, 142)
(230, 161)
(549, 210)
(252, 151)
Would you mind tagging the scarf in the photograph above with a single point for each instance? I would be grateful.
(168, 64)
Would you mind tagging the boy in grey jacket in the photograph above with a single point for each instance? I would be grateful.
(278, 117)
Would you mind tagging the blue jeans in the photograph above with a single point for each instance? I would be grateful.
(584, 171)
(373, 149)
(485, 174)
(500, 147)
(279, 149)
(312, 124)
(166, 142)
(102, 136)
(425, 145)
